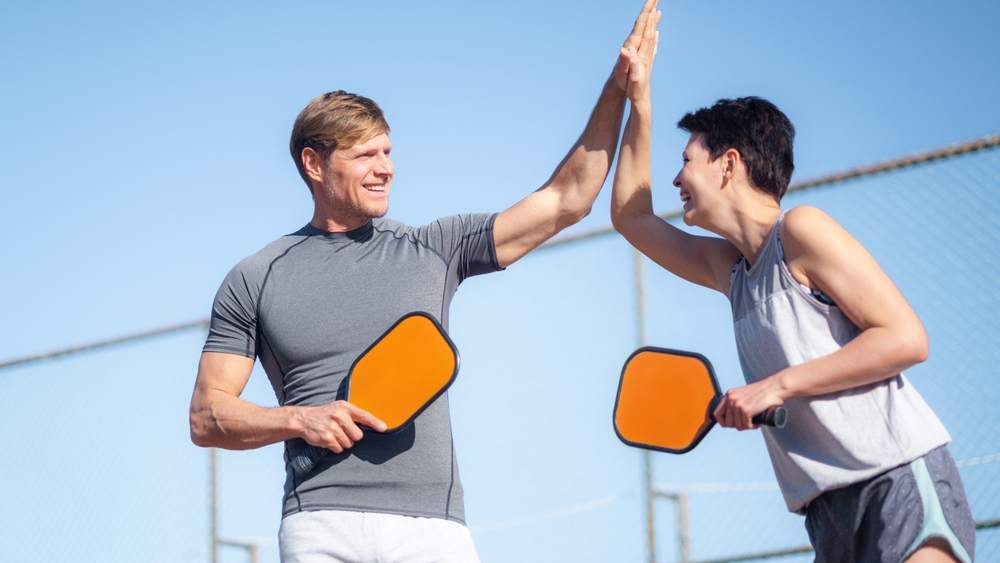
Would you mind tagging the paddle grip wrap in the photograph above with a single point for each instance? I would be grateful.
(776, 417)
(306, 459)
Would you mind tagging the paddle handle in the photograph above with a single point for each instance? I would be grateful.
(776, 417)
(306, 459)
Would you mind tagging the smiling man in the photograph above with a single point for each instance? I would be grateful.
(312, 301)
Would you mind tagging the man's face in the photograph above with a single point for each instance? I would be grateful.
(357, 179)
(699, 180)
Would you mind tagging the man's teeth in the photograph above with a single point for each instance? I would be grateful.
(375, 188)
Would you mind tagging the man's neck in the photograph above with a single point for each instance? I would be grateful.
(330, 222)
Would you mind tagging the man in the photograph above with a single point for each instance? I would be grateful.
(819, 328)
(309, 303)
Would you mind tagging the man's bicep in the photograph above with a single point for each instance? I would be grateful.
(219, 371)
(233, 325)
(526, 225)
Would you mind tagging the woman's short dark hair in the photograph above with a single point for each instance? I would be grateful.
(756, 128)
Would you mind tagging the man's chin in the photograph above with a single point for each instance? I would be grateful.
(376, 213)
(370, 210)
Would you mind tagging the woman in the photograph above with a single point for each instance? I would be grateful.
(819, 328)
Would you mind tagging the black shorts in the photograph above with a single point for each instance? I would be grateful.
(886, 518)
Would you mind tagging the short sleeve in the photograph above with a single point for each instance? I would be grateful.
(465, 241)
(233, 326)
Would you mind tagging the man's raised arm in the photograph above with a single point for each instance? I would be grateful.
(569, 194)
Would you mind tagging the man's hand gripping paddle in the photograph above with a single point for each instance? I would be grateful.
(666, 399)
(397, 377)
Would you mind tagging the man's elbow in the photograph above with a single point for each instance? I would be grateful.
(201, 429)
(573, 210)
(578, 213)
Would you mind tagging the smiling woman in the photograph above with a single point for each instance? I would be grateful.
(820, 330)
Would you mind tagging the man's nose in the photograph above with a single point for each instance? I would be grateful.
(384, 166)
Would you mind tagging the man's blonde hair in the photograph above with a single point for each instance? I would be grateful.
(332, 120)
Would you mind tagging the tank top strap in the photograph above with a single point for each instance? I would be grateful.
(770, 253)
(779, 249)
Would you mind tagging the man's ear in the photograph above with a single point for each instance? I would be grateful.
(312, 163)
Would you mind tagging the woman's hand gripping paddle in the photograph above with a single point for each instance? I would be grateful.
(666, 399)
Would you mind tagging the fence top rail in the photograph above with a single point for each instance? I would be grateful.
(106, 343)
(983, 143)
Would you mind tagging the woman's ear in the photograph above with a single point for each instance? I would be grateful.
(730, 163)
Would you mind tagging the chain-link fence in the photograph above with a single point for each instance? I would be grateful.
(99, 466)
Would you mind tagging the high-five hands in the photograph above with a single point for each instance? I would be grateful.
(635, 60)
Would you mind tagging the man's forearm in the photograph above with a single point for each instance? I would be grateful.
(582, 172)
(223, 421)
(570, 192)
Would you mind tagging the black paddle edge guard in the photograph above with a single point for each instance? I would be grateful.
(701, 435)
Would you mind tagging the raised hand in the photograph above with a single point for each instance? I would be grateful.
(638, 58)
(639, 50)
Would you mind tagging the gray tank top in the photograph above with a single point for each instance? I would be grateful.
(831, 440)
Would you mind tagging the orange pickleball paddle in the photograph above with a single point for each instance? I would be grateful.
(666, 398)
(396, 378)
(403, 371)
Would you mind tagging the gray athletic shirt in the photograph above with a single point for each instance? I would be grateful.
(309, 303)
(831, 440)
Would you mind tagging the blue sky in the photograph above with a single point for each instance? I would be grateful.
(144, 152)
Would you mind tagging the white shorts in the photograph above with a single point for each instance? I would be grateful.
(340, 536)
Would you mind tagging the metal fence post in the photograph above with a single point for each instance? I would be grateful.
(213, 508)
(647, 462)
